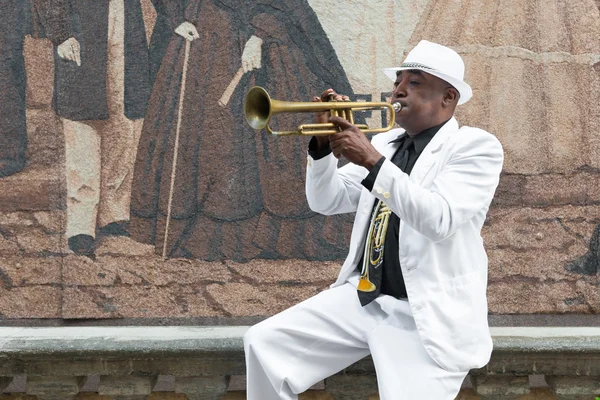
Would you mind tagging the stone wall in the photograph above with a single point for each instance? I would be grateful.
(534, 70)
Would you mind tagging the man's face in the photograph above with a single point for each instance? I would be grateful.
(421, 96)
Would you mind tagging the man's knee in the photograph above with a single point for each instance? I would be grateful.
(257, 335)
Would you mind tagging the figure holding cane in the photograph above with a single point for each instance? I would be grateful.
(196, 178)
(250, 60)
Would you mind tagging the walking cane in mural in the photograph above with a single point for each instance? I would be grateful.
(176, 146)
(223, 196)
(101, 92)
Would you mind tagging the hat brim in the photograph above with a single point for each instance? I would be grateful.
(463, 88)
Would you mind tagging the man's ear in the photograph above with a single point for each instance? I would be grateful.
(450, 97)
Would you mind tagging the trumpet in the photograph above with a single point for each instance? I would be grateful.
(259, 108)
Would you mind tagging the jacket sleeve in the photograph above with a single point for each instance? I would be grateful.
(332, 190)
(172, 9)
(464, 187)
(55, 19)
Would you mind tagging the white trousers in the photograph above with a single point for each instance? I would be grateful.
(291, 351)
(100, 154)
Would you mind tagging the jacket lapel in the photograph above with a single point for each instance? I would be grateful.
(431, 152)
(390, 148)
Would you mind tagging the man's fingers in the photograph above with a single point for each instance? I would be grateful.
(336, 144)
(325, 94)
(330, 94)
(341, 122)
(336, 152)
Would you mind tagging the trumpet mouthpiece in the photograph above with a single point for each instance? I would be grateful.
(397, 106)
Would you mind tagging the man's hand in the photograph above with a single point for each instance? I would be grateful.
(251, 56)
(188, 31)
(323, 117)
(352, 143)
(70, 50)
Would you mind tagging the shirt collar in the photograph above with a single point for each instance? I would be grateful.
(421, 140)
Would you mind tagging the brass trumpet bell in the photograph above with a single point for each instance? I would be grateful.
(259, 108)
(365, 285)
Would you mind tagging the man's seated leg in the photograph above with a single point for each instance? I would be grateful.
(405, 371)
(291, 351)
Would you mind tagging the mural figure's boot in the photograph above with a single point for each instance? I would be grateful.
(82, 245)
(118, 228)
(10, 167)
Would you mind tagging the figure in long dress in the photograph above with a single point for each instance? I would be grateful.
(230, 183)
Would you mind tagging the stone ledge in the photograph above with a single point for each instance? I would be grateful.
(144, 340)
(568, 357)
(554, 339)
(119, 341)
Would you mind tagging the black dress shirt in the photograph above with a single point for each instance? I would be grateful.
(392, 280)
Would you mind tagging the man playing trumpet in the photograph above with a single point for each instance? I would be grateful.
(412, 290)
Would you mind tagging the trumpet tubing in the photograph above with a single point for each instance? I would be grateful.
(259, 108)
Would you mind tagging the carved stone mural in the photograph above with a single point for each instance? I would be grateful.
(132, 187)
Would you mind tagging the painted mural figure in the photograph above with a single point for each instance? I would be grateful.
(298, 61)
(101, 92)
(15, 24)
(225, 192)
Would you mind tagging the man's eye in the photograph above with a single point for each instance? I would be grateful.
(414, 82)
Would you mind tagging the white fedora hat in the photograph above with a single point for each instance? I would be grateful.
(436, 60)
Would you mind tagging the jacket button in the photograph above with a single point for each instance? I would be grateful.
(379, 190)
(386, 195)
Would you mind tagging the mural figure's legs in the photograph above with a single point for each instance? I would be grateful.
(82, 162)
(100, 154)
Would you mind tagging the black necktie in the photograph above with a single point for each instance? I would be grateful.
(369, 285)
(401, 158)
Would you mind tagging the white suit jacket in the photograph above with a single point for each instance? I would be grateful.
(442, 207)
